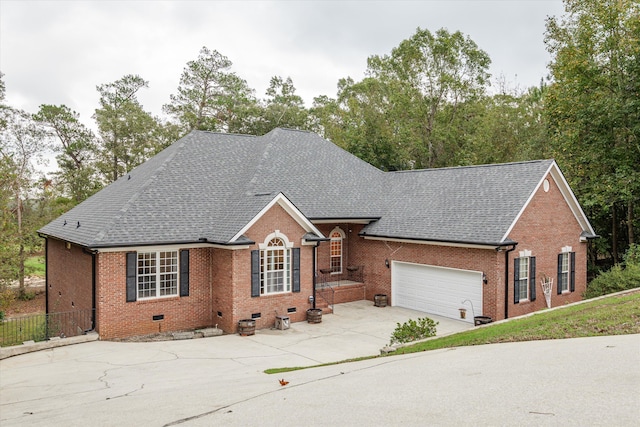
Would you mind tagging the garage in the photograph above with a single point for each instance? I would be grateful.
(437, 290)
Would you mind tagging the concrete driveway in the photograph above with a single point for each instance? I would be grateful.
(220, 380)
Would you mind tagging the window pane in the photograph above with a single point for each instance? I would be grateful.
(168, 273)
(275, 268)
(157, 274)
(524, 278)
(564, 275)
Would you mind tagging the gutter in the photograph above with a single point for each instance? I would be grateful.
(202, 240)
(438, 241)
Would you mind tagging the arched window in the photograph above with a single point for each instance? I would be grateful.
(275, 266)
(336, 236)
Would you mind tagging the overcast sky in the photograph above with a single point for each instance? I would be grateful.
(56, 52)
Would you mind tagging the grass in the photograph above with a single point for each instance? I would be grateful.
(609, 316)
(618, 315)
(34, 266)
(16, 331)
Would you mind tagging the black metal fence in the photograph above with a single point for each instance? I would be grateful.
(41, 327)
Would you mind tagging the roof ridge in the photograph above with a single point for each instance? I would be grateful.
(472, 166)
(222, 133)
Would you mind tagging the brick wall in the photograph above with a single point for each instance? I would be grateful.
(117, 318)
(220, 279)
(378, 276)
(545, 228)
(69, 277)
(238, 299)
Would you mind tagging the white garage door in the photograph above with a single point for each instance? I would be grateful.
(436, 290)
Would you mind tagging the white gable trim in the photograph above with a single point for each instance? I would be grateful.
(289, 207)
(566, 192)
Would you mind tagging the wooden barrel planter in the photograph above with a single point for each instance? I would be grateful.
(380, 300)
(314, 315)
(246, 327)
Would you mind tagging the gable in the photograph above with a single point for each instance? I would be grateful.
(555, 180)
(287, 208)
(463, 205)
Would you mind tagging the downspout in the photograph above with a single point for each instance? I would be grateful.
(46, 275)
(93, 291)
(313, 265)
(93, 254)
(506, 280)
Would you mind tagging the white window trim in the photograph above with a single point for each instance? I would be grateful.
(520, 279)
(566, 273)
(157, 251)
(275, 234)
(264, 248)
(342, 236)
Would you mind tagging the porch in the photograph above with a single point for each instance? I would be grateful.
(335, 287)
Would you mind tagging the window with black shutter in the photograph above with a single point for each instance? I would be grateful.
(524, 279)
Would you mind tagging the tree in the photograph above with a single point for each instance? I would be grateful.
(364, 121)
(509, 127)
(210, 96)
(593, 109)
(75, 152)
(282, 107)
(126, 130)
(22, 142)
(416, 108)
(441, 74)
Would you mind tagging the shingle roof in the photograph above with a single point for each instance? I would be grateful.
(210, 185)
(475, 204)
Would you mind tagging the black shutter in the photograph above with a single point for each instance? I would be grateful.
(132, 275)
(559, 282)
(572, 271)
(255, 273)
(295, 253)
(184, 273)
(516, 281)
(532, 278)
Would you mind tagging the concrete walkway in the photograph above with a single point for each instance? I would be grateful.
(355, 329)
(220, 380)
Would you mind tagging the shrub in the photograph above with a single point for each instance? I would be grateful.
(413, 330)
(632, 255)
(7, 296)
(27, 296)
(615, 280)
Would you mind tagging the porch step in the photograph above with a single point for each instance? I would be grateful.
(324, 306)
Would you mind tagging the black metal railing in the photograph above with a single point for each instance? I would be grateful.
(324, 290)
(41, 327)
(353, 273)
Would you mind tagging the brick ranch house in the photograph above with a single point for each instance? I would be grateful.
(219, 227)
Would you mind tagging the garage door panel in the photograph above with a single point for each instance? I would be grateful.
(437, 290)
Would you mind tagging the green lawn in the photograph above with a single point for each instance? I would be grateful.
(616, 315)
(609, 316)
(16, 331)
(34, 266)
